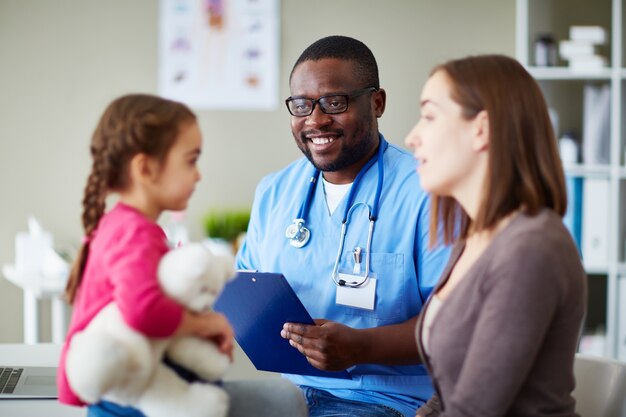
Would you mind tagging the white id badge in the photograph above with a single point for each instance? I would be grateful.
(359, 297)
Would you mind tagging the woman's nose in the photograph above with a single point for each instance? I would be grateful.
(412, 139)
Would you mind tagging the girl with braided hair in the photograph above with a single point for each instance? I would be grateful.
(145, 151)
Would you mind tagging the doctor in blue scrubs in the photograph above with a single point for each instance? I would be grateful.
(348, 225)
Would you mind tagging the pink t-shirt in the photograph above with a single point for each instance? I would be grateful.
(122, 267)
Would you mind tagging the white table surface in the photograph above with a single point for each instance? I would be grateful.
(45, 354)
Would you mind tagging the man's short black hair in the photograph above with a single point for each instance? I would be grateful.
(344, 48)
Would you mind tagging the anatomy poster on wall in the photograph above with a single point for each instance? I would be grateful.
(220, 54)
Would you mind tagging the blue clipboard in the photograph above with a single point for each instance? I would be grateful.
(257, 304)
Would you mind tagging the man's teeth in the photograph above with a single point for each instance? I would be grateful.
(322, 141)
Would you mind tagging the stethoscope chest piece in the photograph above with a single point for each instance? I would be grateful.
(298, 234)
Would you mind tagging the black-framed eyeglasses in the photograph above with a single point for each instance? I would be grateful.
(331, 104)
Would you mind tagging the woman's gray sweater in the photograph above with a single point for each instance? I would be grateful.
(503, 343)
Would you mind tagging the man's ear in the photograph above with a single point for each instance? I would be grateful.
(143, 168)
(380, 100)
(480, 131)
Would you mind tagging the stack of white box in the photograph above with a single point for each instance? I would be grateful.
(581, 49)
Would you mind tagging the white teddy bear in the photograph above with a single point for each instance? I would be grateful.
(111, 361)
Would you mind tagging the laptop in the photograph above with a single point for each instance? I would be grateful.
(28, 382)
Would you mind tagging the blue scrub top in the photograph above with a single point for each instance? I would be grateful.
(405, 269)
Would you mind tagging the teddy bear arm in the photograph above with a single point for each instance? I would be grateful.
(168, 395)
(200, 356)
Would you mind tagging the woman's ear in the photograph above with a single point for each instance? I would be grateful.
(480, 131)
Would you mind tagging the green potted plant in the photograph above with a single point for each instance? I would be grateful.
(228, 225)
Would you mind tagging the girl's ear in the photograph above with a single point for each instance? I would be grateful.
(143, 168)
(480, 130)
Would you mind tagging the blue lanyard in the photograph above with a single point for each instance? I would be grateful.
(306, 205)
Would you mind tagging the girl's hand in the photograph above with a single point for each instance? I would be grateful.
(220, 331)
(213, 326)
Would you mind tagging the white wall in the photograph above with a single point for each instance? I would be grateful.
(63, 61)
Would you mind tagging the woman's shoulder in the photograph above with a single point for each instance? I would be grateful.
(536, 246)
(543, 229)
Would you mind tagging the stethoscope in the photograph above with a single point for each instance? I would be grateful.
(299, 235)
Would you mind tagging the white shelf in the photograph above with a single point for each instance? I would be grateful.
(596, 269)
(565, 73)
(582, 170)
(555, 17)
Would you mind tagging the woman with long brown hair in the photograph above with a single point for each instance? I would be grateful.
(500, 330)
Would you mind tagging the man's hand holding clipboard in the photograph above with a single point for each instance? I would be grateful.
(323, 344)
(261, 306)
